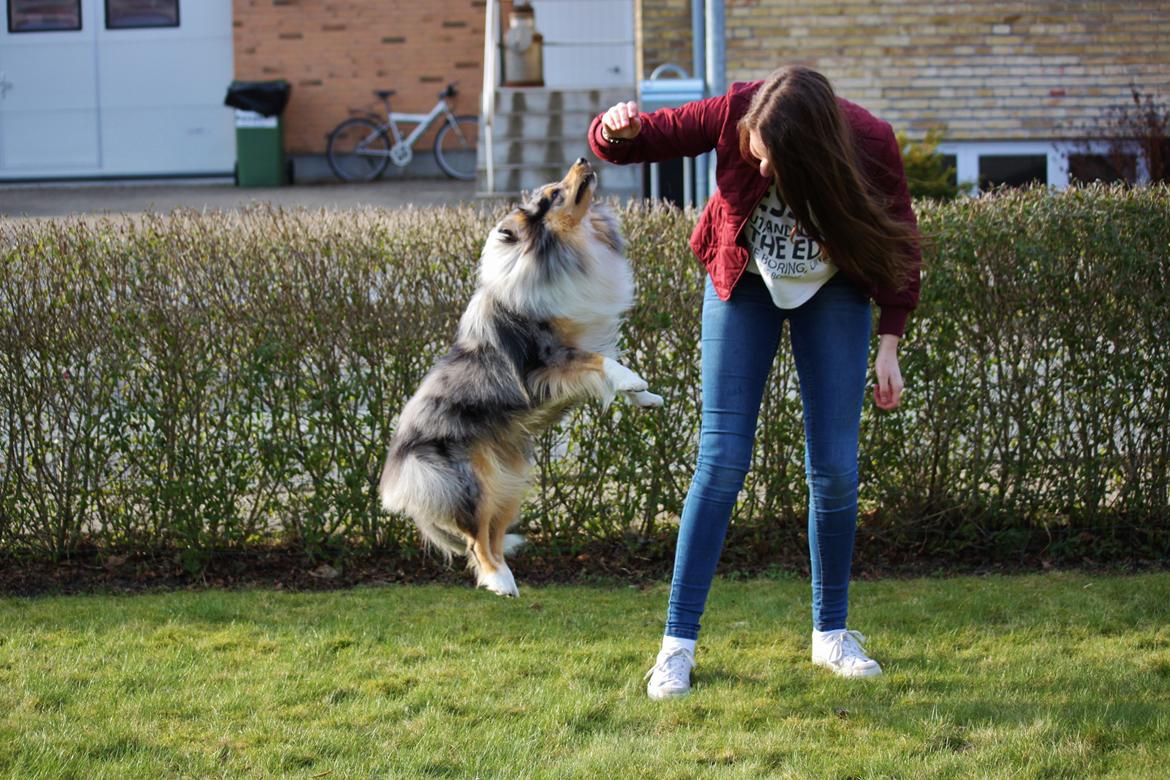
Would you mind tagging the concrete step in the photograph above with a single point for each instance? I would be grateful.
(538, 133)
(513, 100)
(542, 124)
(540, 151)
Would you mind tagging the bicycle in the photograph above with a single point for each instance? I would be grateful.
(360, 149)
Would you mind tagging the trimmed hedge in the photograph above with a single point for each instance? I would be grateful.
(198, 382)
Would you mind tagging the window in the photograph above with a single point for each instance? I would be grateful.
(951, 163)
(1014, 170)
(131, 14)
(43, 15)
(1107, 168)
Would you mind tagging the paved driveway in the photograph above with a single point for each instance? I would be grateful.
(65, 199)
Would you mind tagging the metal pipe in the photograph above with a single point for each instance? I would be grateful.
(698, 58)
(488, 98)
(716, 67)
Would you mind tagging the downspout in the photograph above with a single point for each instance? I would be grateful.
(716, 68)
(491, 34)
(698, 67)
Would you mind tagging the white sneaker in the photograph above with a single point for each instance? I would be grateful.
(671, 674)
(841, 652)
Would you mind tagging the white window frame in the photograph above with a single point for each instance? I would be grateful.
(967, 154)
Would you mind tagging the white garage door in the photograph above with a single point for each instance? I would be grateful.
(115, 88)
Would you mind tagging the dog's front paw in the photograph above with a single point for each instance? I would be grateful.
(645, 399)
(623, 379)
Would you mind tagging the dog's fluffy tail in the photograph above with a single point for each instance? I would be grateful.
(513, 542)
(431, 493)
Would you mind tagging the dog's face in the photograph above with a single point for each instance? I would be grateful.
(550, 215)
(556, 244)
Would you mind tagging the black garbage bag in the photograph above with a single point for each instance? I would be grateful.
(267, 98)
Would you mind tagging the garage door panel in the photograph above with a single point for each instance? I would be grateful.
(178, 140)
(145, 101)
(171, 78)
(49, 76)
(49, 140)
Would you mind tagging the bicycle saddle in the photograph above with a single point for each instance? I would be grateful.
(384, 93)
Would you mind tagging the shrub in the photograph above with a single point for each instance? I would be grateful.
(1133, 129)
(195, 382)
(927, 173)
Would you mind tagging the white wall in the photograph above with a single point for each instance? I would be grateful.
(100, 102)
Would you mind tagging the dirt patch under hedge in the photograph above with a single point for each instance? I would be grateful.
(750, 553)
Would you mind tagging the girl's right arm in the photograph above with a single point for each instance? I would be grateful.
(686, 131)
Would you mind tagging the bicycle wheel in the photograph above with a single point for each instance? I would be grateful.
(455, 147)
(358, 150)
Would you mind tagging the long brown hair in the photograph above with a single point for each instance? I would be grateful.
(811, 151)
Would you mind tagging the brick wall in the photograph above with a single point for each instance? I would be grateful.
(666, 27)
(988, 69)
(336, 52)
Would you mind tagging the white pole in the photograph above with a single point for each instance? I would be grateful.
(488, 97)
(698, 58)
(716, 68)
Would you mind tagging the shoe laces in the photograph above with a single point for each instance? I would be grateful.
(844, 644)
(674, 664)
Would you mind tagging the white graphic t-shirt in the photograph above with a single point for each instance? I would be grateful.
(792, 270)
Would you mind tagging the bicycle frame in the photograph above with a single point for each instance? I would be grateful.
(423, 122)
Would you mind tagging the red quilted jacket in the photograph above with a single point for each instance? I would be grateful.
(703, 125)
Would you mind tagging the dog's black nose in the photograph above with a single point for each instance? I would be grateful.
(582, 161)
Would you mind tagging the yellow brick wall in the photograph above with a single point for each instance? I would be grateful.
(666, 26)
(336, 52)
(988, 69)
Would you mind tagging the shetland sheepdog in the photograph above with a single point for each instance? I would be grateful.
(538, 336)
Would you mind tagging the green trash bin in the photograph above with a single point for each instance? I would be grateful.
(260, 159)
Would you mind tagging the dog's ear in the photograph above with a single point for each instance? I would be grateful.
(605, 225)
(507, 231)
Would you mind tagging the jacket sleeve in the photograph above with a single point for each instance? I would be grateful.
(889, 177)
(691, 129)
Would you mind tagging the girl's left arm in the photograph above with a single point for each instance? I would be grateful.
(887, 173)
(896, 305)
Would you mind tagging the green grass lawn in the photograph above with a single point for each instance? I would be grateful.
(1055, 675)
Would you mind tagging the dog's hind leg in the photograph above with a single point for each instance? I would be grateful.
(491, 571)
(501, 522)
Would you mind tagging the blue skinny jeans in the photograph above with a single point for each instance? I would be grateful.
(830, 345)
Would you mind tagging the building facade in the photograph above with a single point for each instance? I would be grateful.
(1014, 85)
(335, 53)
(136, 87)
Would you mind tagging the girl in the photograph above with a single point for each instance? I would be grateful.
(811, 220)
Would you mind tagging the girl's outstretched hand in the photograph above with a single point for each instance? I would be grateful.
(622, 121)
